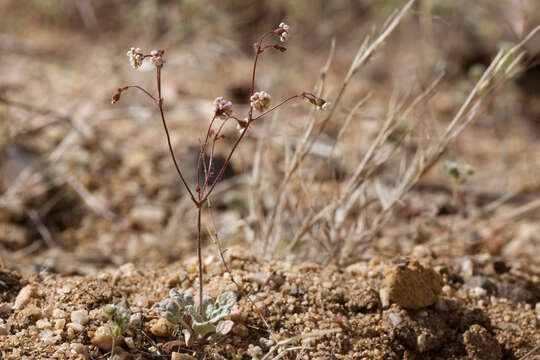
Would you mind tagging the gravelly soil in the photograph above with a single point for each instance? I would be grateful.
(488, 309)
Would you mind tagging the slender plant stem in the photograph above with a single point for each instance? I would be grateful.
(214, 140)
(278, 105)
(143, 90)
(160, 105)
(199, 255)
(258, 51)
(227, 161)
(203, 153)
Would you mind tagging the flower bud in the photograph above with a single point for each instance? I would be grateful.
(283, 31)
(222, 108)
(279, 47)
(116, 96)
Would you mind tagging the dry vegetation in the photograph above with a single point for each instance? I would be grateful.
(323, 202)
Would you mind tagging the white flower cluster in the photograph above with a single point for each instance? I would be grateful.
(284, 32)
(222, 108)
(157, 57)
(260, 100)
(136, 57)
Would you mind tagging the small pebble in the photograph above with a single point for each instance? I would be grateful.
(48, 337)
(23, 297)
(259, 278)
(59, 324)
(395, 319)
(43, 324)
(79, 317)
(162, 328)
(385, 297)
(266, 343)
(102, 338)
(58, 314)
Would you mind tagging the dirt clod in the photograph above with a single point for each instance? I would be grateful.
(481, 345)
(412, 285)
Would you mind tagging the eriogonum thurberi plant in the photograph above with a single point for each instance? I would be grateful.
(223, 110)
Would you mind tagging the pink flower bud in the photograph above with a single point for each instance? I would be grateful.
(222, 108)
(116, 96)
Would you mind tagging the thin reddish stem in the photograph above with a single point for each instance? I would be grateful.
(199, 255)
(259, 52)
(143, 90)
(278, 105)
(202, 155)
(160, 105)
(214, 140)
(227, 161)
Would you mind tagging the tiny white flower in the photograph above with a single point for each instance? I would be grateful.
(135, 57)
(283, 31)
(260, 100)
(324, 106)
(157, 57)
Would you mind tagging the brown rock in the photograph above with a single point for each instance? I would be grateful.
(412, 285)
(480, 344)
(162, 328)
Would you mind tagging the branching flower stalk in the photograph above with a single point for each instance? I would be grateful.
(259, 101)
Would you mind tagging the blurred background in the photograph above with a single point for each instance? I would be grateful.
(84, 184)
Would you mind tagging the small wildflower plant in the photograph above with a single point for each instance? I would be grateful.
(259, 100)
(181, 310)
(459, 175)
(118, 316)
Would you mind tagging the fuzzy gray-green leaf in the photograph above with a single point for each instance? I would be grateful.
(169, 310)
(184, 299)
(208, 307)
(203, 328)
(224, 327)
(218, 314)
(227, 299)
